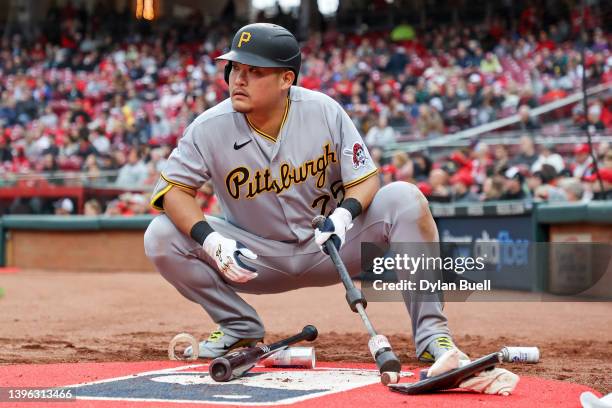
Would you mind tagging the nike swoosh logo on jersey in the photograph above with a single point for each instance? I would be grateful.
(240, 146)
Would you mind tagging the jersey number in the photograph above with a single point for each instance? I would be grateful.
(337, 193)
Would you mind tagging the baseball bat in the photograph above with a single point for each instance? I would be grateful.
(237, 363)
(380, 348)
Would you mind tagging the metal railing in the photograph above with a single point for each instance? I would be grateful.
(103, 179)
(464, 137)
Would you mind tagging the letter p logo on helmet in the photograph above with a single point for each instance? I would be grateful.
(244, 37)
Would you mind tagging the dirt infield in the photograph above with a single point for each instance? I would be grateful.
(68, 317)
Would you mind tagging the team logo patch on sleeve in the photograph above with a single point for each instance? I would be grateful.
(360, 159)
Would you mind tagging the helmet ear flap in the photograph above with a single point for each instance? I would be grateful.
(228, 69)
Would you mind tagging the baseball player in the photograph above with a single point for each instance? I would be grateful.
(277, 155)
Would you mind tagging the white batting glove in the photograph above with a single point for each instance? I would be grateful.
(225, 252)
(334, 228)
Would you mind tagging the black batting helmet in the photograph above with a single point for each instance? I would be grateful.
(264, 45)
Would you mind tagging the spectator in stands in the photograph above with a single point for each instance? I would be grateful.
(137, 204)
(85, 148)
(26, 206)
(160, 128)
(421, 166)
(548, 189)
(402, 167)
(460, 185)
(429, 123)
(48, 165)
(583, 163)
(134, 172)
(388, 174)
(114, 208)
(527, 153)
(40, 142)
(480, 163)
(492, 189)
(8, 113)
(397, 61)
(152, 175)
(573, 188)
(440, 187)
(501, 156)
(411, 106)
(26, 107)
(49, 119)
(127, 205)
(358, 114)
(380, 134)
(6, 154)
(397, 116)
(486, 109)
(594, 123)
(606, 180)
(92, 208)
(548, 156)
(118, 159)
(533, 181)
(607, 159)
(63, 207)
(158, 158)
(100, 142)
(490, 64)
(376, 153)
(526, 123)
(527, 97)
(92, 170)
(513, 185)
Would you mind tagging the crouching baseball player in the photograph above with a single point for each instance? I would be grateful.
(277, 155)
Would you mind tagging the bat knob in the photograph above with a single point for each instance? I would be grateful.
(389, 377)
(310, 332)
(318, 220)
(220, 369)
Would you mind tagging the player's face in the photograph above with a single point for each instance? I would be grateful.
(255, 88)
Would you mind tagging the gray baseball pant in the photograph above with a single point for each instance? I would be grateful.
(398, 213)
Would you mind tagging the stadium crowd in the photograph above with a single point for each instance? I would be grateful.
(89, 97)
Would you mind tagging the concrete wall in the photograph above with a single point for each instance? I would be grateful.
(107, 251)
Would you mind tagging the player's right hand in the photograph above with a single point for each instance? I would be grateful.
(226, 254)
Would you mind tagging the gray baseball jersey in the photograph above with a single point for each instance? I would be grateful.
(269, 192)
(271, 188)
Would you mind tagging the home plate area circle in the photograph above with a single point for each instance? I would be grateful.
(164, 383)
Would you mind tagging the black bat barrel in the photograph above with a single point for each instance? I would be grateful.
(235, 364)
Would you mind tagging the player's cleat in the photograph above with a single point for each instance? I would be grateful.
(218, 344)
(437, 347)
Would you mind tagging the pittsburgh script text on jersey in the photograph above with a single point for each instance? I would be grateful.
(262, 181)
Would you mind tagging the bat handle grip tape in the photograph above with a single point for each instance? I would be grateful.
(288, 341)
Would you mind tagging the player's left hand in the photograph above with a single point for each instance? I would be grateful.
(334, 228)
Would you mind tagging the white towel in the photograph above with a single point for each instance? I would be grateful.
(495, 381)
(589, 400)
